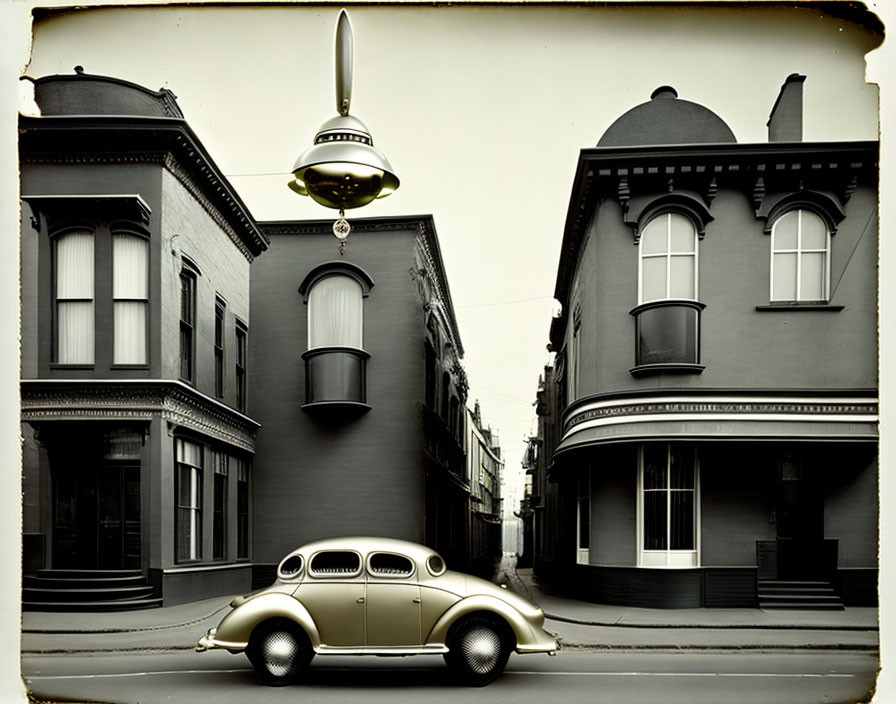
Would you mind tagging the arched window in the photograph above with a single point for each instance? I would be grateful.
(335, 312)
(335, 361)
(667, 317)
(74, 284)
(668, 259)
(800, 258)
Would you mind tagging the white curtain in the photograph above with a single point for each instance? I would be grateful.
(130, 291)
(334, 313)
(74, 298)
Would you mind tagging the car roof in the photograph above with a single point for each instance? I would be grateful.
(368, 544)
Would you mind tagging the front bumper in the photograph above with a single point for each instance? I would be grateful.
(209, 642)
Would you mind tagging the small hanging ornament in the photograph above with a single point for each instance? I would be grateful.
(341, 229)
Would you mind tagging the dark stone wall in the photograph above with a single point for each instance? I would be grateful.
(341, 474)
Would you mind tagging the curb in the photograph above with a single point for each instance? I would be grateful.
(88, 631)
(719, 627)
(514, 582)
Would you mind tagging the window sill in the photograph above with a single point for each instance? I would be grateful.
(129, 367)
(778, 307)
(669, 367)
(60, 365)
(356, 406)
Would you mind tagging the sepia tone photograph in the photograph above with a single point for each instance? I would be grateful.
(525, 348)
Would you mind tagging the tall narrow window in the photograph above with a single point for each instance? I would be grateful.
(187, 324)
(668, 252)
(188, 529)
(667, 327)
(74, 297)
(335, 313)
(242, 508)
(583, 516)
(130, 297)
(800, 268)
(668, 478)
(219, 510)
(242, 333)
(220, 308)
(335, 361)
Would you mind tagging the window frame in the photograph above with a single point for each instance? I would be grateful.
(800, 252)
(220, 505)
(669, 254)
(189, 278)
(219, 345)
(583, 494)
(241, 364)
(195, 512)
(243, 510)
(668, 558)
(55, 239)
(115, 232)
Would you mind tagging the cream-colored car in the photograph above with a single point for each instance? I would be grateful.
(377, 596)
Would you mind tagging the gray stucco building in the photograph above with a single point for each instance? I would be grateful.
(710, 434)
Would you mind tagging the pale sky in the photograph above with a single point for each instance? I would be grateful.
(482, 112)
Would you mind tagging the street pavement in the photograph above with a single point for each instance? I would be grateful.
(577, 624)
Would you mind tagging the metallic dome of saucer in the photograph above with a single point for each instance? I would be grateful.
(343, 169)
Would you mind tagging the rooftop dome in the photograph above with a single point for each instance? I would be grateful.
(86, 94)
(665, 119)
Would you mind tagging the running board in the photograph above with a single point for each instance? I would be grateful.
(382, 650)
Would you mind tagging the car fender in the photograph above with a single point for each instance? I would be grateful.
(478, 603)
(237, 626)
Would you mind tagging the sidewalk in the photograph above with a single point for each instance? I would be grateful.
(581, 624)
(578, 624)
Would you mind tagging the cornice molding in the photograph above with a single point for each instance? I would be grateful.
(78, 139)
(186, 180)
(178, 404)
(622, 174)
(807, 408)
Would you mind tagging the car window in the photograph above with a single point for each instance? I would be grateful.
(387, 564)
(435, 565)
(335, 563)
(291, 567)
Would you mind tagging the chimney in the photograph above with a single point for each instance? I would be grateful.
(785, 124)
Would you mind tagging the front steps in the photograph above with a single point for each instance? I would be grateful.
(799, 595)
(87, 590)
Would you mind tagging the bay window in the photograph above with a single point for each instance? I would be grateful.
(335, 361)
(667, 327)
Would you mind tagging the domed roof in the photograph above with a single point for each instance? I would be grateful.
(88, 94)
(665, 119)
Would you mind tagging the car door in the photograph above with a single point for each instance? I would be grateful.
(393, 601)
(333, 593)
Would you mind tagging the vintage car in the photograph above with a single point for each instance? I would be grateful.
(376, 596)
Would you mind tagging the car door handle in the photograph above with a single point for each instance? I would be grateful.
(416, 599)
(360, 599)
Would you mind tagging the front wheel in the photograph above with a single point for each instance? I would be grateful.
(279, 651)
(478, 649)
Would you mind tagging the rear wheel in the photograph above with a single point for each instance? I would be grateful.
(478, 649)
(279, 650)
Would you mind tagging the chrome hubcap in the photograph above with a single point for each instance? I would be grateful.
(480, 648)
(278, 653)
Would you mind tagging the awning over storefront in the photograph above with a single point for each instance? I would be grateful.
(666, 418)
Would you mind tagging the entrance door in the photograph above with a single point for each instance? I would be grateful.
(800, 522)
(96, 517)
(118, 516)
